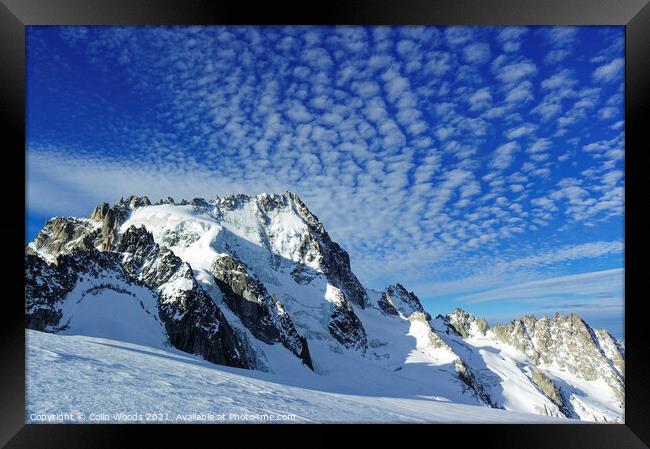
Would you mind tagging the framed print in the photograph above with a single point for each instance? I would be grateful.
(358, 218)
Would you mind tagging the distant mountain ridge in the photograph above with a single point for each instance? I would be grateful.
(256, 282)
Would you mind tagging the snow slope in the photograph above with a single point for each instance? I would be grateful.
(256, 282)
(399, 356)
(506, 373)
(113, 309)
(114, 381)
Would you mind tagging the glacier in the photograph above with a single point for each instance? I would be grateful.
(98, 380)
(245, 303)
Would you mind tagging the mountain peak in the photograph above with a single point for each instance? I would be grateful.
(230, 277)
(466, 324)
(397, 300)
(134, 201)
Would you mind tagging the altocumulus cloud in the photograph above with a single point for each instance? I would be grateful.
(416, 146)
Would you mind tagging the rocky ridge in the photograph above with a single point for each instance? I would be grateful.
(267, 265)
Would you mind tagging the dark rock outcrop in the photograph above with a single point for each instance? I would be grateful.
(316, 248)
(568, 342)
(467, 376)
(112, 218)
(397, 300)
(193, 322)
(303, 275)
(334, 261)
(46, 285)
(261, 313)
(462, 322)
(62, 235)
(347, 329)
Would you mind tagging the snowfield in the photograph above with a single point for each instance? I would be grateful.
(113, 381)
(256, 282)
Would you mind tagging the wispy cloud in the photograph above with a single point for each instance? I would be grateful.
(493, 274)
(591, 286)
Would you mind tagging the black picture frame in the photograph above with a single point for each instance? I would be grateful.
(634, 14)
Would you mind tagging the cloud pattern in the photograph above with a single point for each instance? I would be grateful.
(436, 156)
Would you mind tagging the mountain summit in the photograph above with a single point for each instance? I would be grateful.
(256, 282)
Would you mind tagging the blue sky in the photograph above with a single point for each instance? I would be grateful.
(480, 167)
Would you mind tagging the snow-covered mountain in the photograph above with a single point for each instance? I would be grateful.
(256, 282)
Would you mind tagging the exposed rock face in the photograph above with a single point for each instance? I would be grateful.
(111, 218)
(168, 200)
(347, 329)
(46, 285)
(316, 248)
(568, 342)
(612, 349)
(309, 249)
(334, 261)
(228, 277)
(547, 386)
(197, 326)
(468, 377)
(432, 340)
(261, 313)
(464, 372)
(144, 259)
(464, 323)
(564, 343)
(396, 300)
(553, 392)
(193, 322)
(386, 307)
(184, 240)
(62, 235)
(303, 275)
